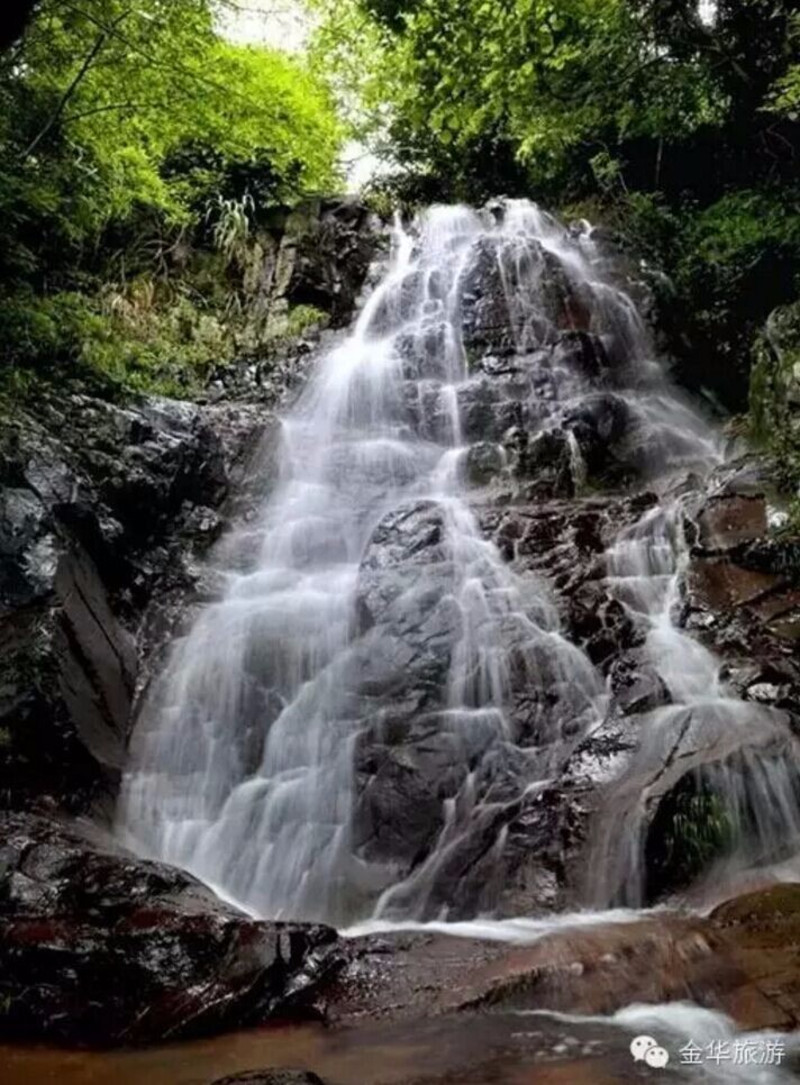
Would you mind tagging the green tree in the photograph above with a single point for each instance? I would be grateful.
(551, 85)
(99, 95)
(124, 130)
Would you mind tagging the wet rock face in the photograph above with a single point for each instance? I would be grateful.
(101, 510)
(409, 623)
(636, 685)
(485, 325)
(99, 947)
(489, 325)
(483, 463)
(548, 461)
(405, 583)
(324, 255)
(405, 769)
(741, 959)
(411, 758)
(742, 598)
(738, 597)
(566, 543)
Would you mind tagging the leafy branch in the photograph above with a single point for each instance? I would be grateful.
(89, 59)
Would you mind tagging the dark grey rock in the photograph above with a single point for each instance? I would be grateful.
(636, 685)
(483, 463)
(404, 596)
(324, 255)
(102, 509)
(547, 461)
(486, 414)
(100, 947)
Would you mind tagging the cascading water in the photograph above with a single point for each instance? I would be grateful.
(376, 608)
(742, 756)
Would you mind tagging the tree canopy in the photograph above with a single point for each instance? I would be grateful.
(132, 134)
(110, 108)
(560, 88)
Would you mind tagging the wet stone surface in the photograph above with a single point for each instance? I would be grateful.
(564, 641)
(100, 948)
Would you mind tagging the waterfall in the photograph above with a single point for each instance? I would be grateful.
(741, 758)
(376, 608)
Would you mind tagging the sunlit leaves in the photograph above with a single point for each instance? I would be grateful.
(556, 79)
(104, 91)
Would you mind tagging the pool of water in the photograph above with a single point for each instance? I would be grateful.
(504, 1049)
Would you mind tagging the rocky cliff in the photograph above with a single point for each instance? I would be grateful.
(107, 506)
(108, 514)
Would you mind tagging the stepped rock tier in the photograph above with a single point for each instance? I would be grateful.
(482, 630)
(454, 674)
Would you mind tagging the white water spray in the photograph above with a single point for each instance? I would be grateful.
(243, 760)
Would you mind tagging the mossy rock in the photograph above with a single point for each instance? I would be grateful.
(775, 394)
(692, 828)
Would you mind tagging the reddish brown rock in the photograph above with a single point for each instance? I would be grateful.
(720, 584)
(743, 960)
(731, 519)
(99, 947)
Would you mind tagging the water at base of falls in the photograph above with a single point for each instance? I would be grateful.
(376, 606)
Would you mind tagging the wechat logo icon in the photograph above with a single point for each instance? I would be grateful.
(646, 1049)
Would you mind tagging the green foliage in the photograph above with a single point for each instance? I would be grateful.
(728, 265)
(232, 225)
(692, 829)
(739, 258)
(131, 135)
(283, 329)
(127, 343)
(146, 335)
(561, 92)
(109, 92)
(786, 90)
(775, 399)
(735, 230)
(787, 96)
(700, 832)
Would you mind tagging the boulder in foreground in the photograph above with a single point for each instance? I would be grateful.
(100, 947)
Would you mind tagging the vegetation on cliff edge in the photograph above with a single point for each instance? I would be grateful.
(140, 152)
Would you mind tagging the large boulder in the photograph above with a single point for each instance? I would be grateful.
(599, 424)
(486, 412)
(407, 614)
(499, 274)
(68, 682)
(409, 622)
(102, 509)
(100, 947)
(549, 460)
